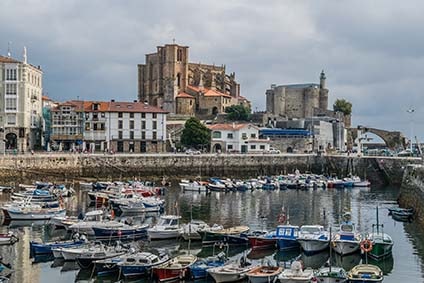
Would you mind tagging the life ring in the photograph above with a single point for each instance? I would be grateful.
(282, 218)
(366, 245)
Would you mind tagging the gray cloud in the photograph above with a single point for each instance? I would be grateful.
(372, 51)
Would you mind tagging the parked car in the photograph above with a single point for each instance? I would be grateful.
(192, 151)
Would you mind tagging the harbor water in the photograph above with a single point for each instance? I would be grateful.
(259, 210)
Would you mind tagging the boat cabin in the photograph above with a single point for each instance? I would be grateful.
(287, 231)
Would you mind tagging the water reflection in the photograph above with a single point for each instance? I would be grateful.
(323, 207)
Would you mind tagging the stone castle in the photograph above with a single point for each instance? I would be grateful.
(169, 81)
(297, 100)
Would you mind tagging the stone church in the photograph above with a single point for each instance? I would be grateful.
(169, 81)
(297, 100)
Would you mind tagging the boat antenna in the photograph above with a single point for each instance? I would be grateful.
(329, 267)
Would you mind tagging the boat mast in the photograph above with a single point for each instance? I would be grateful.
(378, 224)
(329, 268)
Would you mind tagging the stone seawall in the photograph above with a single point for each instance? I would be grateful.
(412, 190)
(175, 166)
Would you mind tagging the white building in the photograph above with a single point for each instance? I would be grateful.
(113, 126)
(21, 87)
(240, 138)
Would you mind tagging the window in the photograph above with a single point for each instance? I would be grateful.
(252, 146)
(95, 106)
(230, 136)
(143, 125)
(95, 127)
(143, 135)
(131, 135)
(120, 123)
(119, 114)
(102, 114)
(11, 104)
(131, 124)
(230, 147)
(87, 126)
(155, 115)
(95, 116)
(216, 135)
(262, 147)
(179, 55)
(102, 126)
(253, 136)
(155, 125)
(11, 74)
(131, 115)
(178, 79)
(120, 135)
(244, 136)
(154, 136)
(10, 89)
(143, 115)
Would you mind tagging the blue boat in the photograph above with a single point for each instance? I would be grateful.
(46, 248)
(199, 268)
(287, 237)
(140, 264)
(124, 232)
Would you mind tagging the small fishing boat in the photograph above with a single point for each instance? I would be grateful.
(167, 228)
(93, 219)
(313, 238)
(30, 211)
(71, 253)
(8, 238)
(87, 257)
(331, 274)
(399, 209)
(296, 274)
(190, 230)
(381, 242)
(347, 240)
(365, 273)
(124, 232)
(402, 215)
(195, 186)
(140, 263)
(262, 240)
(231, 272)
(200, 268)
(176, 268)
(46, 248)
(264, 274)
(228, 235)
(287, 237)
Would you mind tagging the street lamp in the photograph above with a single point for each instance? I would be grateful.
(411, 111)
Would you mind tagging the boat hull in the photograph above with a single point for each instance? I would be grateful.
(16, 215)
(39, 248)
(346, 247)
(121, 234)
(380, 250)
(162, 234)
(313, 246)
(221, 278)
(167, 274)
(287, 244)
(262, 243)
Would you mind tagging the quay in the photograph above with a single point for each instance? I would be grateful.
(58, 166)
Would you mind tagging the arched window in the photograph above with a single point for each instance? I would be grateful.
(179, 55)
(178, 79)
(216, 135)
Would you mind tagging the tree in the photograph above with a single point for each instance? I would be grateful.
(238, 113)
(342, 105)
(195, 134)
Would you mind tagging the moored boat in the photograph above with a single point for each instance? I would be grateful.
(287, 237)
(176, 268)
(346, 240)
(365, 273)
(141, 263)
(231, 272)
(167, 228)
(313, 238)
(46, 248)
(264, 274)
(296, 274)
(381, 242)
(8, 238)
(124, 232)
(331, 274)
(228, 235)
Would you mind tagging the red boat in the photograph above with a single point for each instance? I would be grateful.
(175, 269)
(262, 241)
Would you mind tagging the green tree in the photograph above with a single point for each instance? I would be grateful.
(238, 113)
(342, 105)
(195, 134)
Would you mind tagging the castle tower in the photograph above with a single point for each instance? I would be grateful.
(322, 80)
(323, 92)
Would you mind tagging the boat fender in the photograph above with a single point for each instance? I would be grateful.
(366, 245)
(182, 274)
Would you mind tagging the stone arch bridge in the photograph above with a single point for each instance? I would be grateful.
(393, 139)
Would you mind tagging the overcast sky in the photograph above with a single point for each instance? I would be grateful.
(371, 51)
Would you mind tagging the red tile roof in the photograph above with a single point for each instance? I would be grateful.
(134, 107)
(209, 92)
(184, 95)
(8, 60)
(229, 126)
(103, 106)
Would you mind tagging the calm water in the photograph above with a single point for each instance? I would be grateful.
(258, 209)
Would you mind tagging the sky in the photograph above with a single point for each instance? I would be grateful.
(371, 51)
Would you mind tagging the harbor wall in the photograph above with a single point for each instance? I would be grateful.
(412, 190)
(176, 166)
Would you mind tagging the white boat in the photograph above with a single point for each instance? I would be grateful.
(190, 230)
(229, 273)
(29, 211)
(93, 219)
(313, 238)
(264, 274)
(167, 228)
(347, 240)
(296, 274)
(331, 275)
(195, 186)
(365, 273)
(8, 238)
(69, 254)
